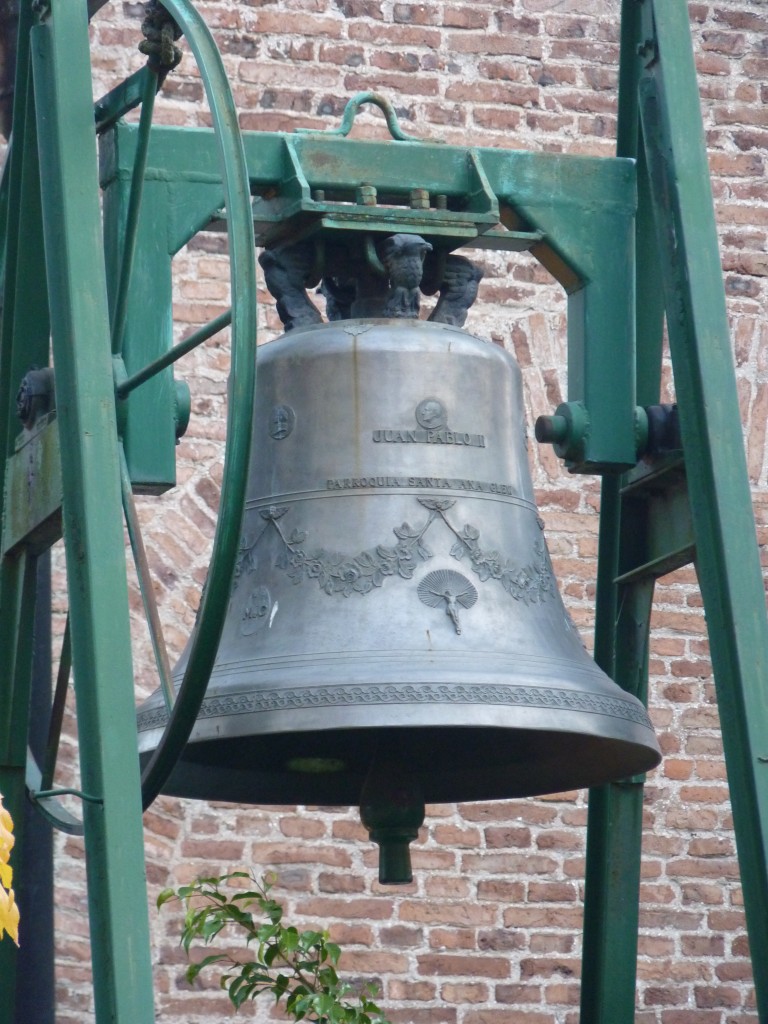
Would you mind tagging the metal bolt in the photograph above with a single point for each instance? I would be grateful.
(419, 199)
(551, 429)
(365, 195)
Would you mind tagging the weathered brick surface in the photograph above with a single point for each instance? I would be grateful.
(489, 932)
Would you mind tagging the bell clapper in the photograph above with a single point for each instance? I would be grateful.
(392, 810)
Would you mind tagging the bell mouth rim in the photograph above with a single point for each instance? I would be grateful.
(564, 762)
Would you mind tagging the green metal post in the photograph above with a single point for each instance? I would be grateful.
(614, 825)
(18, 606)
(92, 518)
(23, 342)
(727, 554)
(146, 331)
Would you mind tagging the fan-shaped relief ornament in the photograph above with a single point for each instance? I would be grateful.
(449, 588)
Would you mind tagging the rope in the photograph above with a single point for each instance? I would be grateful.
(160, 32)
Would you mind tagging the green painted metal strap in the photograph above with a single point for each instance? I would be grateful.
(151, 612)
(134, 208)
(122, 99)
(198, 337)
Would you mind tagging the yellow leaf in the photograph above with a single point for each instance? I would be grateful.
(9, 912)
(9, 915)
(6, 833)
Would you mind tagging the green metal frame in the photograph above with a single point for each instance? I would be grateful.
(576, 214)
(53, 250)
(694, 505)
(637, 224)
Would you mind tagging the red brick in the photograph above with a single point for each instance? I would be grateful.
(449, 965)
(720, 995)
(453, 938)
(517, 994)
(440, 912)
(418, 991)
(502, 1017)
(465, 993)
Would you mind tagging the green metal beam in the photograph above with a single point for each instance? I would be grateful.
(583, 206)
(17, 599)
(656, 526)
(23, 342)
(728, 562)
(622, 614)
(92, 518)
(147, 418)
(614, 831)
(32, 507)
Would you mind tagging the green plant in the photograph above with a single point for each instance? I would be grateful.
(297, 966)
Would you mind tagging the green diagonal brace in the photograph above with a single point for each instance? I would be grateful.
(92, 517)
(727, 553)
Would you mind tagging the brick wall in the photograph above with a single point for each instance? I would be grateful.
(489, 932)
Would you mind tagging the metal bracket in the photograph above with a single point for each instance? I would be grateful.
(351, 111)
(33, 489)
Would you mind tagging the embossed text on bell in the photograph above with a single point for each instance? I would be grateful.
(394, 599)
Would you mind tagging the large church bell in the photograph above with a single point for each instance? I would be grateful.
(395, 633)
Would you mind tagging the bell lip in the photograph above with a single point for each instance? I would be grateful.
(611, 761)
(282, 695)
(579, 748)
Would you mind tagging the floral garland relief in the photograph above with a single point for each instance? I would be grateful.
(361, 573)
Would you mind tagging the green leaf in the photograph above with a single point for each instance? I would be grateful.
(339, 1013)
(289, 940)
(333, 951)
(267, 932)
(164, 896)
(248, 894)
(324, 1004)
(327, 977)
(273, 910)
(271, 954)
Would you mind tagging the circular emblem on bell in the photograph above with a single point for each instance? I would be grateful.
(431, 414)
(281, 422)
(256, 613)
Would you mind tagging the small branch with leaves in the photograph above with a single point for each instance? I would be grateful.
(299, 967)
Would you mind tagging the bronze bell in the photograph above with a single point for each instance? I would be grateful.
(395, 633)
